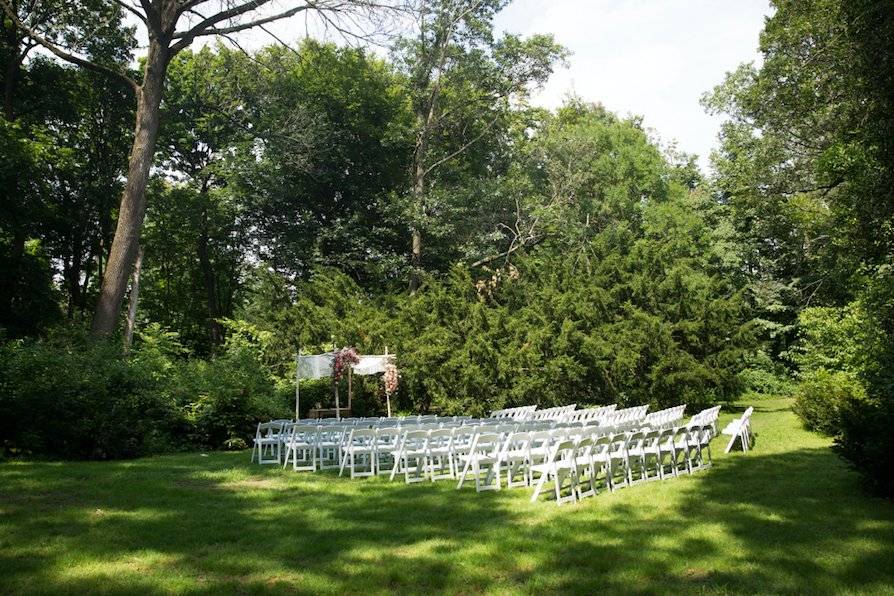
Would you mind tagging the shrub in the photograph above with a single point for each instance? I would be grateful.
(70, 395)
(762, 375)
(226, 396)
(832, 338)
(865, 439)
(822, 396)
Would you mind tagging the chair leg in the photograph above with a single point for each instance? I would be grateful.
(539, 486)
(462, 476)
(397, 459)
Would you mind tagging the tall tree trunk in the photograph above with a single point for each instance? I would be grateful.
(418, 194)
(125, 243)
(416, 261)
(426, 117)
(215, 332)
(418, 198)
(134, 300)
(11, 76)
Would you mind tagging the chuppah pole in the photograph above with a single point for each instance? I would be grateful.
(298, 385)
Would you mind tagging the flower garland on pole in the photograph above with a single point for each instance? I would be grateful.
(342, 359)
(390, 378)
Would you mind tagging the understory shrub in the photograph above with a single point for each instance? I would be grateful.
(73, 396)
(821, 398)
(845, 356)
(763, 375)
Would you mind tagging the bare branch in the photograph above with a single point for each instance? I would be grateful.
(64, 55)
(204, 26)
(187, 37)
(461, 149)
(527, 243)
(132, 10)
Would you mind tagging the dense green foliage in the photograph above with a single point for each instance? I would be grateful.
(553, 257)
(69, 395)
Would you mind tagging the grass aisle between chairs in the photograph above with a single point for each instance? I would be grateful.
(787, 517)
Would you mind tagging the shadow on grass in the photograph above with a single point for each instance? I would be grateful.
(774, 523)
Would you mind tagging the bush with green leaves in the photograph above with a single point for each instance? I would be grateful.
(226, 396)
(847, 387)
(821, 398)
(70, 395)
(832, 353)
(73, 396)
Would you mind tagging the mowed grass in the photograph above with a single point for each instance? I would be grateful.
(787, 517)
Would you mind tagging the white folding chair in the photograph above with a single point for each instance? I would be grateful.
(584, 470)
(329, 444)
(600, 459)
(740, 429)
(301, 448)
(540, 445)
(636, 455)
(411, 455)
(515, 458)
(651, 451)
(560, 466)
(706, 433)
(438, 458)
(618, 461)
(484, 455)
(268, 439)
(387, 444)
(664, 445)
(359, 449)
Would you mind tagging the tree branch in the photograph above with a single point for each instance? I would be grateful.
(461, 149)
(187, 37)
(529, 242)
(64, 55)
(132, 11)
(202, 27)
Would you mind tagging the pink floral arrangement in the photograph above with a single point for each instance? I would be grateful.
(390, 377)
(343, 358)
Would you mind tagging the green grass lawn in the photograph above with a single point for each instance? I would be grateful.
(787, 517)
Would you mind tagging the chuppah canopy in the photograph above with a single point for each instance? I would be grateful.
(318, 366)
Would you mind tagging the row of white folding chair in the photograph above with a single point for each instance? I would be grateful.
(574, 464)
(437, 453)
(514, 453)
(322, 445)
(532, 453)
(665, 418)
(519, 413)
(707, 416)
(425, 450)
(625, 416)
(589, 414)
(556, 413)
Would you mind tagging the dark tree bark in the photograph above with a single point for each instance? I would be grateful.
(134, 300)
(215, 331)
(133, 202)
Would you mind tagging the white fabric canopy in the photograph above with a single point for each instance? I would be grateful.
(371, 365)
(315, 367)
